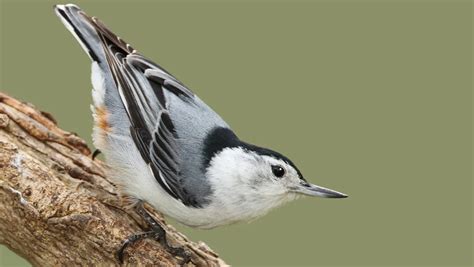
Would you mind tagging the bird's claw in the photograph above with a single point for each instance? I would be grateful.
(158, 233)
(175, 251)
(120, 251)
(95, 153)
(130, 240)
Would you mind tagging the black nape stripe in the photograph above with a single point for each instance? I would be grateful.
(216, 140)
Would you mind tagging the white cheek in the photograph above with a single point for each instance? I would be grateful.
(292, 179)
(244, 187)
(228, 164)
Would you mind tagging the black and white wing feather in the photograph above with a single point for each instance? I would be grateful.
(142, 85)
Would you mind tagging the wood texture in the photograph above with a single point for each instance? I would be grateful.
(58, 208)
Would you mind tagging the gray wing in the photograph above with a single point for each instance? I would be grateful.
(143, 87)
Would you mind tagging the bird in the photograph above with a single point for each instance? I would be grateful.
(166, 147)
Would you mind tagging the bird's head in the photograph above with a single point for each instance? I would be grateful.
(258, 179)
(277, 171)
(280, 171)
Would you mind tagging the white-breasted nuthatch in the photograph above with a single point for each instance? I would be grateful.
(165, 146)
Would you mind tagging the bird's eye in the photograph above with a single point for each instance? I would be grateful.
(278, 171)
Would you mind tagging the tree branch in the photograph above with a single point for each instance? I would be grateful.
(58, 208)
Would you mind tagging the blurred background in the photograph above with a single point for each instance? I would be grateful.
(372, 98)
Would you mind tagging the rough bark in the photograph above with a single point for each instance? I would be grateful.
(58, 208)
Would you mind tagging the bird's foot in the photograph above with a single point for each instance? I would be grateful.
(95, 153)
(156, 232)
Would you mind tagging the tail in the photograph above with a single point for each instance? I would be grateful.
(77, 23)
(91, 33)
(108, 111)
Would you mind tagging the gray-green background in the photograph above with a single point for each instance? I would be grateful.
(370, 98)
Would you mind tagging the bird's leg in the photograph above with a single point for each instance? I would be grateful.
(95, 153)
(160, 234)
(156, 232)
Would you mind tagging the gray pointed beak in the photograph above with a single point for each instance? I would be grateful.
(319, 191)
